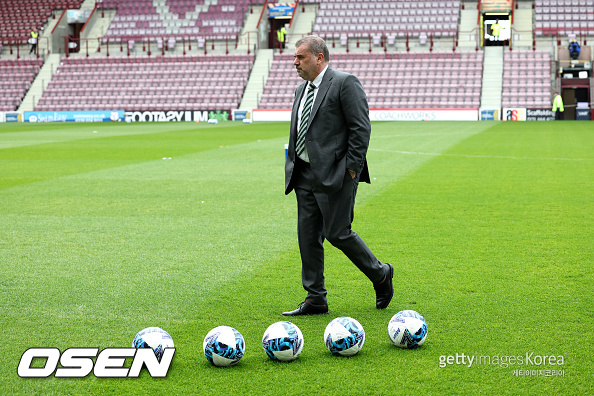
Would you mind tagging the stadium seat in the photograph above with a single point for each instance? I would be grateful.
(566, 18)
(17, 19)
(16, 77)
(527, 79)
(391, 18)
(391, 79)
(145, 83)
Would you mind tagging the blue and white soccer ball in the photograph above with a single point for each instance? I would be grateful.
(344, 336)
(213, 121)
(282, 341)
(223, 346)
(155, 338)
(407, 329)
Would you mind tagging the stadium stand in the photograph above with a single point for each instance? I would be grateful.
(526, 79)
(422, 78)
(214, 82)
(16, 76)
(19, 17)
(225, 17)
(393, 80)
(339, 19)
(552, 17)
(174, 17)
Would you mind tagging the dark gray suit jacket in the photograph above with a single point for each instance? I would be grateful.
(338, 134)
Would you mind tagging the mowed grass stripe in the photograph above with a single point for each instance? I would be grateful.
(396, 222)
(94, 238)
(96, 248)
(205, 207)
(486, 277)
(75, 148)
(147, 255)
(501, 251)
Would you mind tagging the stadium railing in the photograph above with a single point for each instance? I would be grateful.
(14, 46)
(164, 43)
(386, 38)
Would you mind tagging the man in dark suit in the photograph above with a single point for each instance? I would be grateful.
(326, 160)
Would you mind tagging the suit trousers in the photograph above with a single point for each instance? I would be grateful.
(328, 216)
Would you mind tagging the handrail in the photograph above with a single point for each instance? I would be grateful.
(145, 40)
(514, 30)
(89, 18)
(384, 35)
(300, 35)
(18, 41)
(59, 19)
(262, 13)
(294, 12)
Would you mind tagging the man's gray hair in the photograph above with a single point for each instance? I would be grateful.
(315, 45)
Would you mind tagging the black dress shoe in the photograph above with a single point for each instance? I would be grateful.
(306, 308)
(384, 291)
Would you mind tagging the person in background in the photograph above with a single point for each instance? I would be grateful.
(281, 35)
(558, 106)
(574, 49)
(33, 41)
(495, 29)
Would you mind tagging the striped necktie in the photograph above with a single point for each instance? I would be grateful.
(300, 147)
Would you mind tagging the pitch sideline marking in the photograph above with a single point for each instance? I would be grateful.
(482, 156)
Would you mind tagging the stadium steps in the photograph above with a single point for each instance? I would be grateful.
(250, 25)
(87, 5)
(522, 27)
(257, 80)
(40, 83)
(303, 22)
(163, 10)
(492, 77)
(469, 33)
(97, 29)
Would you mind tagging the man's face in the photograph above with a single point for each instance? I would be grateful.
(306, 63)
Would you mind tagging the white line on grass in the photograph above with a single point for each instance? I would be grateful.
(482, 156)
(418, 134)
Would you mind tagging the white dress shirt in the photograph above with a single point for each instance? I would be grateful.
(317, 81)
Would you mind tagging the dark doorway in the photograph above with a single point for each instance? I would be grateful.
(74, 36)
(275, 24)
(569, 102)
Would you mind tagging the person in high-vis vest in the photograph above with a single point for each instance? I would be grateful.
(558, 106)
(280, 34)
(33, 41)
(495, 29)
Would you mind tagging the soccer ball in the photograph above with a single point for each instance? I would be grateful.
(282, 341)
(407, 329)
(155, 338)
(344, 336)
(223, 346)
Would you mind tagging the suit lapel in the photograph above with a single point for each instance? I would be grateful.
(322, 90)
(294, 113)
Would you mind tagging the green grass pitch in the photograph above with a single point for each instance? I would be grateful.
(489, 226)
